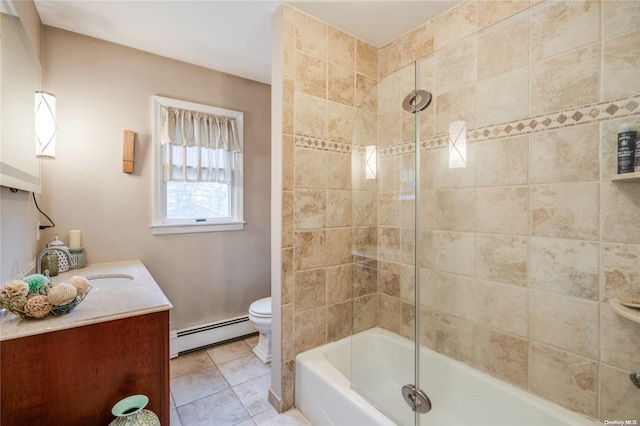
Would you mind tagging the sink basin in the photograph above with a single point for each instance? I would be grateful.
(110, 281)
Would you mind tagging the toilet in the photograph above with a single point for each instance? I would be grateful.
(260, 317)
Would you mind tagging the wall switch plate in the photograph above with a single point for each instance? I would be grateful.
(38, 231)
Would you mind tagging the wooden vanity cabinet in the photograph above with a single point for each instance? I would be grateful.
(75, 376)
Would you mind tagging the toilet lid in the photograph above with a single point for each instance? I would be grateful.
(261, 307)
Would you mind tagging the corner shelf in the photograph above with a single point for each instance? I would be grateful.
(629, 313)
(626, 177)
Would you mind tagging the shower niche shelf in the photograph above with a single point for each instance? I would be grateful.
(626, 177)
(629, 313)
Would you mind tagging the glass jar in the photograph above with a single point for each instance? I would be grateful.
(49, 262)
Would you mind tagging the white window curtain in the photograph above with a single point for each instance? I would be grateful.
(198, 147)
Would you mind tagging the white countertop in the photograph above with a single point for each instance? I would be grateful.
(141, 296)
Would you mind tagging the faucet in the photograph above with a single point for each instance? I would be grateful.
(72, 260)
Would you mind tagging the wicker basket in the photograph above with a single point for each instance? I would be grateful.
(57, 310)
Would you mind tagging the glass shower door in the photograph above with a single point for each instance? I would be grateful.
(385, 196)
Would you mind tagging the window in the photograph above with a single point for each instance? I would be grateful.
(197, 151)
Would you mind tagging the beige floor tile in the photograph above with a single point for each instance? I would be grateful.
(243, 369)
(254, 394)
(229, 351)
(220, 409)
(190, 363)
(289, 418)
(175, 418)
(265, 417)
(190, 387)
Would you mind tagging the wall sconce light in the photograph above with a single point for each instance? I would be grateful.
(45, 125)
(457, 144)
(371, 166)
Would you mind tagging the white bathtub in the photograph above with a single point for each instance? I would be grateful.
(459, 394)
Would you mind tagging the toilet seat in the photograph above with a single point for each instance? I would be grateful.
(261, 308)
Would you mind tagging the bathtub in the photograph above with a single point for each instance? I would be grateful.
(459, 394)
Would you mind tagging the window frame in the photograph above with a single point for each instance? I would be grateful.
(160, 224)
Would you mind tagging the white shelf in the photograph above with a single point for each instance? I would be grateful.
(626, 177)
(629, 313)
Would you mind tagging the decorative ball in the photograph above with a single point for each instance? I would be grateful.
(37, 306)
(14, 288)
(80, 283)
(17, 303)
(62, 294)
(35, 282)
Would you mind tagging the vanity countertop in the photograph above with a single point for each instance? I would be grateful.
(141, 296)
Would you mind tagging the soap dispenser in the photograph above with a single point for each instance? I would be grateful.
(63, 262)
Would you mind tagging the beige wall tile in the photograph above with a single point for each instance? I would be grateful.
(286, 286)
(389, 209)
(556, 155)
(310, 289)
(455, 209)
(366, 59)
(339, 283)
(455, 295)
(365, 278)
(340, 121)
(418, 43)
(504, 48)
(309, 168)
(288, 49)
(621, 208)
(338, 169)
(390, 128)
(389, 58)
(502, 355)
(288, 384)
(566, 267)
(287, 218)
(408, 246)
(427, 328)
(621, 66)
(389, 313)
(565, 322)
(456, 66)
(365, 312)
(454, 337)
(407, 284)
(502, 258)
(365, 210)
(288, 106)
(444, 177)
(341, 85)
(503, 306)
(311, 35)
(287, 162)
(309, 209)
(619, 398)
(427, 168)
(366, 240)
(388, 174)
(338, 246)
(287, 331)
(408, 321)
(310, 329)
(366, 93)
(339, 320)
(389, 244)
(503, 98)
(365, 129)
(503, 161)
(618, 339)
(339, 208)
(565, 81)
(389, 278)
(567, 379)
(620, 270)
(390, 94)
(428, 279)
(308, 249)
(459, 104)
(560, 27)
(456, 24)
(311, 75)
(502, 210)
(310, 116)
(565, 210)
(619, 17)
(493, 11)
(448, 251)
(342, 48)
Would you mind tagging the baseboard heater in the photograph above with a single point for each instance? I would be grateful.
(189, 339)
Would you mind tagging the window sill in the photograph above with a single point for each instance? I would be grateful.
(164, 229)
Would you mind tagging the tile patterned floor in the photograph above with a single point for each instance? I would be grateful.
(225, 385)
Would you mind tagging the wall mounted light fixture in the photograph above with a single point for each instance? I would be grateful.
(371, 166)
(45, 125)
(457, 144)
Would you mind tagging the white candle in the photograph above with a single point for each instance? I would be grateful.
(75, 238)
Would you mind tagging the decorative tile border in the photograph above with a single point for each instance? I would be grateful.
(593, 113)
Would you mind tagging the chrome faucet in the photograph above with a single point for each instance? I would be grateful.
(72, 260)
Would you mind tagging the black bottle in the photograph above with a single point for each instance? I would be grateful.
(626, 148)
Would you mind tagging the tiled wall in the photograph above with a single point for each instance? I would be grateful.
(519, 252)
